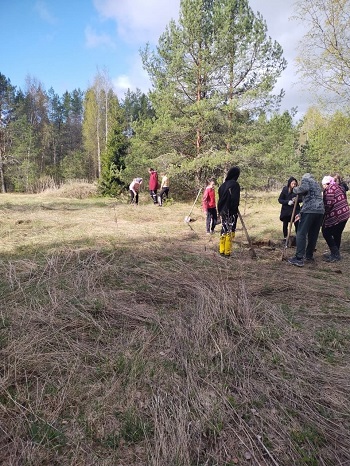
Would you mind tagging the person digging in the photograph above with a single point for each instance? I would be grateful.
(229, 197)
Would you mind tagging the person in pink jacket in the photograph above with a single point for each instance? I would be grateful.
(209, 206)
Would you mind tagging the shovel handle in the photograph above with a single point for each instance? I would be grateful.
(291, 221)
(252, 250)
(195, 202)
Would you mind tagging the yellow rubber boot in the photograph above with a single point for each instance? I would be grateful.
(222, 243)
(228, 244)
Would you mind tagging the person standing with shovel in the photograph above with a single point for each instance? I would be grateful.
(311, 218)
(229, 197)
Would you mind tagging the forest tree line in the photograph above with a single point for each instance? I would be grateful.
(212, 104)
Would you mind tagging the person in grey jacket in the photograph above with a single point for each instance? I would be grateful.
(311, 218)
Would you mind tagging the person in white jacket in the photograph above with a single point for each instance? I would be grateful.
(134, 189)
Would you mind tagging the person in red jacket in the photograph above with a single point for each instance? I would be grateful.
(153, 184)
(209, 206)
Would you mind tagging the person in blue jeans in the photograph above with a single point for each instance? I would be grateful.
(311, 218)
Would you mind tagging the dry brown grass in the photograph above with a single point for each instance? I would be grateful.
(126, 339)
(73, 189)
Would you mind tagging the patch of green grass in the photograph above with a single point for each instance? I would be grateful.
(265, 335)
(232, 401)
(5, 324)
(128, 369)
(51, 389)
(95, 307)
(6, 397)
(309, 460)
(332, 342)
(307, 440)
(290, 315)
(121, 364)
(111, 441)
(276, 359)
(133, 428)
(43, 433)
(214, 425)
(332, 338)
(267, 442)
(306, 436)
(259, 402)
(5, 321)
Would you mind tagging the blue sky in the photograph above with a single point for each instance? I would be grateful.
(63, 43)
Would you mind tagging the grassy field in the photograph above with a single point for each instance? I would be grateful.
(125, 339)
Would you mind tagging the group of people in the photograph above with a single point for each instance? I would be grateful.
(154, 186)
(324, 209)
(308, 206)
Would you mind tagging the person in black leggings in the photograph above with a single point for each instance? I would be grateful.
(287, 199)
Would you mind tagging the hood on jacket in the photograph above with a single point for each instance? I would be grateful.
(233, 174)
(290, 180)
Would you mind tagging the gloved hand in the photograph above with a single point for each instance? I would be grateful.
(290, 202)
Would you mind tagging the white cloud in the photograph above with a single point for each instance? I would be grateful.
(287, 32)
(44, 13)
(137, 78)
(121, 84)
(139, 20)
(93, 39)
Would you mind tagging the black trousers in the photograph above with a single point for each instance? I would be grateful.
(134, 199)
(211, 220)
(153, 194)
(164, 192)
(285, 226)
(332, 234)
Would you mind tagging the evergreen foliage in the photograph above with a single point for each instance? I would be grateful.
(213, 103)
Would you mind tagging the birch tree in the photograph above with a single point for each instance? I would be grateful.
(96, 120)
(324, 51)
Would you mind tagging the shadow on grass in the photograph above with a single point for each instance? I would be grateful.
(152, 352)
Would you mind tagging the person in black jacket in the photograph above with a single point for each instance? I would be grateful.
(229, 197)
(287, 199)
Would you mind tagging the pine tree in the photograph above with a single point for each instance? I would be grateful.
(216, 62)
(7, 108)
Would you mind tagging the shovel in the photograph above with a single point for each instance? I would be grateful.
(252, 250)
(188, 218)
(289, 229)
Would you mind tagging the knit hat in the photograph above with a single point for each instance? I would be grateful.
(327, 179)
